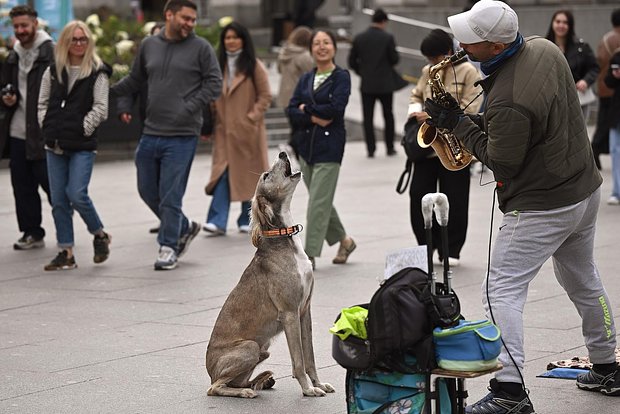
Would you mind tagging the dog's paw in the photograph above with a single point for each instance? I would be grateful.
(263, 381)
(248, 393)
(325, 387)
(314, 392)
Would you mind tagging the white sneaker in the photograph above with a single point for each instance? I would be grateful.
(613, 201)
(213, 230)
(167, 259)
(244, 228)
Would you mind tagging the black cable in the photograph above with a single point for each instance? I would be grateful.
(487, 290)
(489, 251)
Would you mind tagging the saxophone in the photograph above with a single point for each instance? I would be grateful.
(450, 150)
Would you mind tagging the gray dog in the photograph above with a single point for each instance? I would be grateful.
(273, 295)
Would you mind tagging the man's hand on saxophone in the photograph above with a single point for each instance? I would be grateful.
(443, 117)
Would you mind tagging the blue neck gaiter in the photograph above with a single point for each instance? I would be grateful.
(491, 65)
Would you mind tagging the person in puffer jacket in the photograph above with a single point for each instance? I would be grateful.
(73, 101)
(316, 111)
(533, 137)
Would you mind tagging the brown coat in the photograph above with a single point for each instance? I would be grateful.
(240, 142)
(609, 44)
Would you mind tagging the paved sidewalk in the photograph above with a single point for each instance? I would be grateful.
(121, 338)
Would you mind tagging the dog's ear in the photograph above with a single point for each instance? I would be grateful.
(261, 215)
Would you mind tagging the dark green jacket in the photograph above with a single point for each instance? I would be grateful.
(534, 138)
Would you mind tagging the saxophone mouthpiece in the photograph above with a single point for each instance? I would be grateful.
(458, 55)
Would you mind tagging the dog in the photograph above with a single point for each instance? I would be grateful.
(273, 295)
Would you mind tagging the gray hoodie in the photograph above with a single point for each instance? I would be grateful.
(27, 58)
(182, 78)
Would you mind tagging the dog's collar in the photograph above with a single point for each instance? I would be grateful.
(283, 231)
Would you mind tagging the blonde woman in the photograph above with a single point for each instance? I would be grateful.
(73, 102)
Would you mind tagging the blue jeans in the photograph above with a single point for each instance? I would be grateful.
(163, 165)
(69, 174)
(614, 151)
(220, 205)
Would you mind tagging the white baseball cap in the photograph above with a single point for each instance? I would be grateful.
(487, 20)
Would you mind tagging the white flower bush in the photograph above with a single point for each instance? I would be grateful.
(93, 21)
(124, 46)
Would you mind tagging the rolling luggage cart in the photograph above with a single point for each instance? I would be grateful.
(438, 203)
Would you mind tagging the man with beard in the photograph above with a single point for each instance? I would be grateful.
(182, 76)
(20, 136)
(533, 137)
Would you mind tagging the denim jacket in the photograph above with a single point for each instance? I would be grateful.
(317, 144)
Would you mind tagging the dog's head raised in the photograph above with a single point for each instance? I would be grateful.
(272, 199)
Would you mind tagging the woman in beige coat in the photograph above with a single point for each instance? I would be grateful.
(294, 60)
(429, 174)
(240, 146)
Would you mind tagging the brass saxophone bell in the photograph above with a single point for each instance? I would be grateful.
(449, 150)
(426, 135)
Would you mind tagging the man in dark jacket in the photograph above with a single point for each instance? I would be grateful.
(533, 137)
(20, 136)
(373, 56)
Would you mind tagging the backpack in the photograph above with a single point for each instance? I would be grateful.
(401, 316)
(414, 152)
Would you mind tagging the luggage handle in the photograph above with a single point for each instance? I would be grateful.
(437, 202)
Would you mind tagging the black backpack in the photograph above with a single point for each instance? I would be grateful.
(413, 150)
(401, 317)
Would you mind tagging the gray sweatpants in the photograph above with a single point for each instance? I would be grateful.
(525, 241)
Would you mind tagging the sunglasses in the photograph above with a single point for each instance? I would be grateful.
(79, 40)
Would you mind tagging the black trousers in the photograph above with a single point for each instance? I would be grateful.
(368, 107)
(26, 177)
(600, 139)
(455, 185)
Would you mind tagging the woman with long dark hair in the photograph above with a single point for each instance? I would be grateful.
(578, 53)
(240, 145)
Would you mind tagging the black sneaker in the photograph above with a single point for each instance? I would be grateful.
(607, 384)
(186, 239)
(61, 262)
(101, 245)
(28, 242)
(500, 402)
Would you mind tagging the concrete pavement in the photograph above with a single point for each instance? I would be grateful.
(121, 338)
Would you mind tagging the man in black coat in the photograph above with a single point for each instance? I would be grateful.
(20, 136)
(373, 57)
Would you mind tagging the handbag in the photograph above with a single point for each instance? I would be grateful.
(469, 346)
(208, 120)
(587, 97)
(414, 152)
